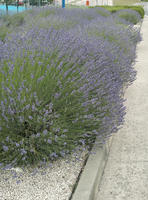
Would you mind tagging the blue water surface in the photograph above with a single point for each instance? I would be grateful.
(11, 9)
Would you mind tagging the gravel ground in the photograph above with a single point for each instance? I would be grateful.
(51, 183)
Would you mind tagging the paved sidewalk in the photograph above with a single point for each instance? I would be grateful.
(83, 2)
(91, 2)
(126, 173)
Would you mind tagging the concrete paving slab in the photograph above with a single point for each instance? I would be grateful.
(128, 181)
(129, 145)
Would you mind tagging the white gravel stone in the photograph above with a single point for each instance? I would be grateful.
(51, 183)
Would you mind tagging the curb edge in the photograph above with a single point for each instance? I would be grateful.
(87, 187)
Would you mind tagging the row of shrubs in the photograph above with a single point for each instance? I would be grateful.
(61, 79)
(145, 0)
(10, 23)
(114, 9)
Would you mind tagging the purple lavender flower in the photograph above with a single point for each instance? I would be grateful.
(17, 144)
(5, 148)
(41, 78)
(30, 117)
(45, 132)
(23, 151)
(23, 158)
(38, 135)
(49, 141)
(7, 138)
(33, 107)
(62, 153)
(27, 106)
(32, 76)
(54, 155)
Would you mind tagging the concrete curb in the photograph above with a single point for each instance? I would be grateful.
(91, 176)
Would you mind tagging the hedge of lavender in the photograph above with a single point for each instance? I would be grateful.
(61, 80)
(129, 15)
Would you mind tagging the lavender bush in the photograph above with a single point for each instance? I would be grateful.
(62, 87)
(45, 17)
(10, 23)
(129, 15)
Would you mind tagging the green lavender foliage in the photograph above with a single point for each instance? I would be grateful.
(62, 73)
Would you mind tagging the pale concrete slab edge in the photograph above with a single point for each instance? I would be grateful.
(91, 176)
